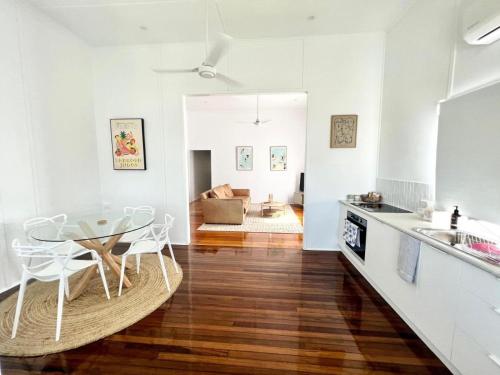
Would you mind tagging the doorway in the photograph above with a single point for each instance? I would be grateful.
(258, 152)
(200, 173)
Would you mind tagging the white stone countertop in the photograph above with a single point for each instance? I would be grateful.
(405, 222)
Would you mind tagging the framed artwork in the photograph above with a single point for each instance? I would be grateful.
(127, 140)
(244, 158)
(278, 158)
(344, 130)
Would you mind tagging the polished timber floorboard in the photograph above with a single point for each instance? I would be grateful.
(255, 311)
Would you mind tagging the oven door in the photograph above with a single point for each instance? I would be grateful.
(360, 245)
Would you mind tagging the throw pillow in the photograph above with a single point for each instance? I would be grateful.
(228, 190)
(219, 192)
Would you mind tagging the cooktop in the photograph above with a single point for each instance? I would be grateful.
(380, 207)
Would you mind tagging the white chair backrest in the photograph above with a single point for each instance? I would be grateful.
(130, 211)
(160, 231)
(169, 220)
(56, 223)
(60, 252)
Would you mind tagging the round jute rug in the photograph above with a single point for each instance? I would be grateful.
(89, 317)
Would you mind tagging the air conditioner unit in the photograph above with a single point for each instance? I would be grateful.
(481, 21)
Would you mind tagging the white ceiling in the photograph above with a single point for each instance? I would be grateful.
(246, 102)
(117, 22)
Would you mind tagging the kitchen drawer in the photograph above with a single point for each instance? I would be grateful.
(470, 359)
(480, 321)
(481, 283)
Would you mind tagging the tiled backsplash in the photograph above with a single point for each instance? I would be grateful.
(404, 194)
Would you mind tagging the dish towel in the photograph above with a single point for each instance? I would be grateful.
(351, 234)
(409, 252)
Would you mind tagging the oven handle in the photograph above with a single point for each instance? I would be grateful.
(360, 227)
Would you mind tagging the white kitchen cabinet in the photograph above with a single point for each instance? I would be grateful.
(481, 283)
(438, 279)
(382, 266)
(478, 320)
(453, 305)
(471, 359)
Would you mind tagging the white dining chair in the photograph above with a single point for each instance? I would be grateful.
(129, 237)
(153, 241)
(56, 267)
(55, 226)
(54, 223)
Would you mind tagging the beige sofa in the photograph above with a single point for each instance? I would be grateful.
(225, 205)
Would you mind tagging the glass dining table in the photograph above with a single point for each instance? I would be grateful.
(100, 232)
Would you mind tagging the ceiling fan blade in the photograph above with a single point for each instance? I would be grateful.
(265, 121)
(160, 70)
(227, 80)
(219, 49)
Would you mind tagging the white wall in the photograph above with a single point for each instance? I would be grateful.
(426, 61)
(417, 63)
(468, 156)
(342, 74)
(220, 131)
(48, 135)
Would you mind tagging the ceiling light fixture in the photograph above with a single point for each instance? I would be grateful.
(143, 28)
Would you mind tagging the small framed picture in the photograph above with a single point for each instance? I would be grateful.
(127, 141)
(278, 158)
(343, 131)
(244, 158)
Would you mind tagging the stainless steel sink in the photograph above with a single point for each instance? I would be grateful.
(476, 246)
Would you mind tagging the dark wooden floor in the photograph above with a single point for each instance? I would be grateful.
(255, 310)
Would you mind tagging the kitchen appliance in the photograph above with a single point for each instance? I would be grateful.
(380, 207)
(359, 247)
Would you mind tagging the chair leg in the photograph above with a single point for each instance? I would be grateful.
(122, 273)
(22, 289)
(103, 277)
(164, 270)
(60, 303)
(66, 287)
(172, 254)
(138, 262)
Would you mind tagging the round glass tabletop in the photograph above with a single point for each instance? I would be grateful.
(91, 226)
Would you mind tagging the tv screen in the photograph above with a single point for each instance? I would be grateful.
(301, 182)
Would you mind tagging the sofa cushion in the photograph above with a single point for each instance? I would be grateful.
(228, 190)
(219, 192)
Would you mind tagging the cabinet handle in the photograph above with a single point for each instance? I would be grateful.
(494, 359)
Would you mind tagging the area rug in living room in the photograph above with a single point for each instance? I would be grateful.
(254, 222)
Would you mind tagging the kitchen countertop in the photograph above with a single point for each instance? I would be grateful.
(405, 222)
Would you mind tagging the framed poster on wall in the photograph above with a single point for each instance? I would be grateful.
(127, 140)
(244, 158)
(344, 129)
(278, 158)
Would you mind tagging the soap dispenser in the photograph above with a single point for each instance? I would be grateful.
(454, 218)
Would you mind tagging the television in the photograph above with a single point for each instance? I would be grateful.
(301, 187)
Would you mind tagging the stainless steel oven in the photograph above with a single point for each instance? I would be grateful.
(358, 246)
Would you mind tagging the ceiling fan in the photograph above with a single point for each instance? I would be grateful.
(258, 121)
(208, 68)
